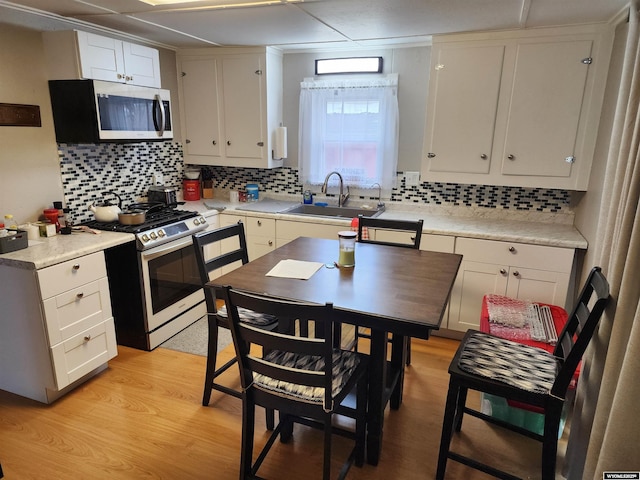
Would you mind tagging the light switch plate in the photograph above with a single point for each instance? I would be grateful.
(412, 178)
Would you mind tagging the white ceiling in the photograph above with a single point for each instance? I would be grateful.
(308, 24)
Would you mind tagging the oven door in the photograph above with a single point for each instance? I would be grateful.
(170, 280)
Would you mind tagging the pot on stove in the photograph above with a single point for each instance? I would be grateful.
(106, 211)
(132, 217)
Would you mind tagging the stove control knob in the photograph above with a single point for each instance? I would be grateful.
(153, 235)
(196, 221)
(203, 221)
(161, 233)
(145, 238)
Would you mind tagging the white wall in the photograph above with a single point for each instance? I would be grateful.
(29, 172)
(412, 66)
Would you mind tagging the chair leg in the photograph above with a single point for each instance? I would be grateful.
(361, 422)
(550, 441)
(212, 354)
(408, 351)
(447, 428)
(326, 469)
(462, 401)
(248, 427)
(270, 418)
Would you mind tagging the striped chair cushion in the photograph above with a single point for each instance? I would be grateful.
(249, 316)
(344, 364)
(521, 366)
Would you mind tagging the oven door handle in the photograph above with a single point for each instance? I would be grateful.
(164, 249)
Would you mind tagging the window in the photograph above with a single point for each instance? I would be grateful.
(350, 126)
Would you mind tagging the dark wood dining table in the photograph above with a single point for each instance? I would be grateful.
(390, 290)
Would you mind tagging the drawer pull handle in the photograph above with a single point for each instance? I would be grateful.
(87, 338)
(512, 249)
(270, 243)
(259, 223)
(516, 273)
(76, 267)
(503, 271)
(79, 295)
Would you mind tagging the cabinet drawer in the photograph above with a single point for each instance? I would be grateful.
(79, 355)
(437, 243)
(290, 230)
(229, 219)
(540, 257)
(76, 310)
(71, 274)
(264, 227)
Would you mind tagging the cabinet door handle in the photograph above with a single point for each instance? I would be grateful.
(187, 141)
(503, 271)
(511, 157)
(76, 267)
(213, 142)
(259, 223)
(431, 155)
(512, 249)
(270, 243)
(87, 338)
(516, 273)
(258, 72)
(483, 156)
(260, 144)
(229, 142)
(79, 295)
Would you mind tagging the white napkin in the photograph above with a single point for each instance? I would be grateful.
(294, 269)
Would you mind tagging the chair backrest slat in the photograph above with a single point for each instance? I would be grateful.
(284, 342)
(207, 265)
(580, 327)
(412, 227)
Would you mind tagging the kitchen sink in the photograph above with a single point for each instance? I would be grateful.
(333, 211)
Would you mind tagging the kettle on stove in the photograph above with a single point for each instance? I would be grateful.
(107, 212)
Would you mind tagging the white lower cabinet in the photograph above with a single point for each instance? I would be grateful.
(529, 272)
(260, 234)
(287, 230)
(59, 329)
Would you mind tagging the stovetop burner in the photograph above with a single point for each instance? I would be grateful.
(155, 218)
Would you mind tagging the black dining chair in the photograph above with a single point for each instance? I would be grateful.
(395, 233)
(234, 250)
(307, 379)
(522, 373)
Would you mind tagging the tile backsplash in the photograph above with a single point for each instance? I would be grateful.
(127, 169)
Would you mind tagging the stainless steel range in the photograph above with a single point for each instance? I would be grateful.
(154, 281)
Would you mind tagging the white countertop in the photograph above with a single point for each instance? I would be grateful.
(438, 221)
(487, 224)
(45, 252)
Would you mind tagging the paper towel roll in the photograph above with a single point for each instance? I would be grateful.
(280, 143)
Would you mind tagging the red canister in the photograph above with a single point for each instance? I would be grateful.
(51, 214)
(191, 190)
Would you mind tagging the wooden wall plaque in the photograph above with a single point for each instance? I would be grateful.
(13, 115)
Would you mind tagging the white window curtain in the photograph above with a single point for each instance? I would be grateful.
(350, 126)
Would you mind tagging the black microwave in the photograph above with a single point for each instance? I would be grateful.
(93, 111)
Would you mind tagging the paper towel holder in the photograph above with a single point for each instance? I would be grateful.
(279, 150)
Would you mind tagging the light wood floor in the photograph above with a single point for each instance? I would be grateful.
(142, 419)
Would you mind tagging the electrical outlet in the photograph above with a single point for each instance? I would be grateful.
(412, 178)
(158, 179)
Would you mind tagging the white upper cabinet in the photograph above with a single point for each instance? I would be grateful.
(74, 54)
(516, 108)
(231, 105)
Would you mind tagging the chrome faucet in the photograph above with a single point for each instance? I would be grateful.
(342, 199)
(380, 202)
